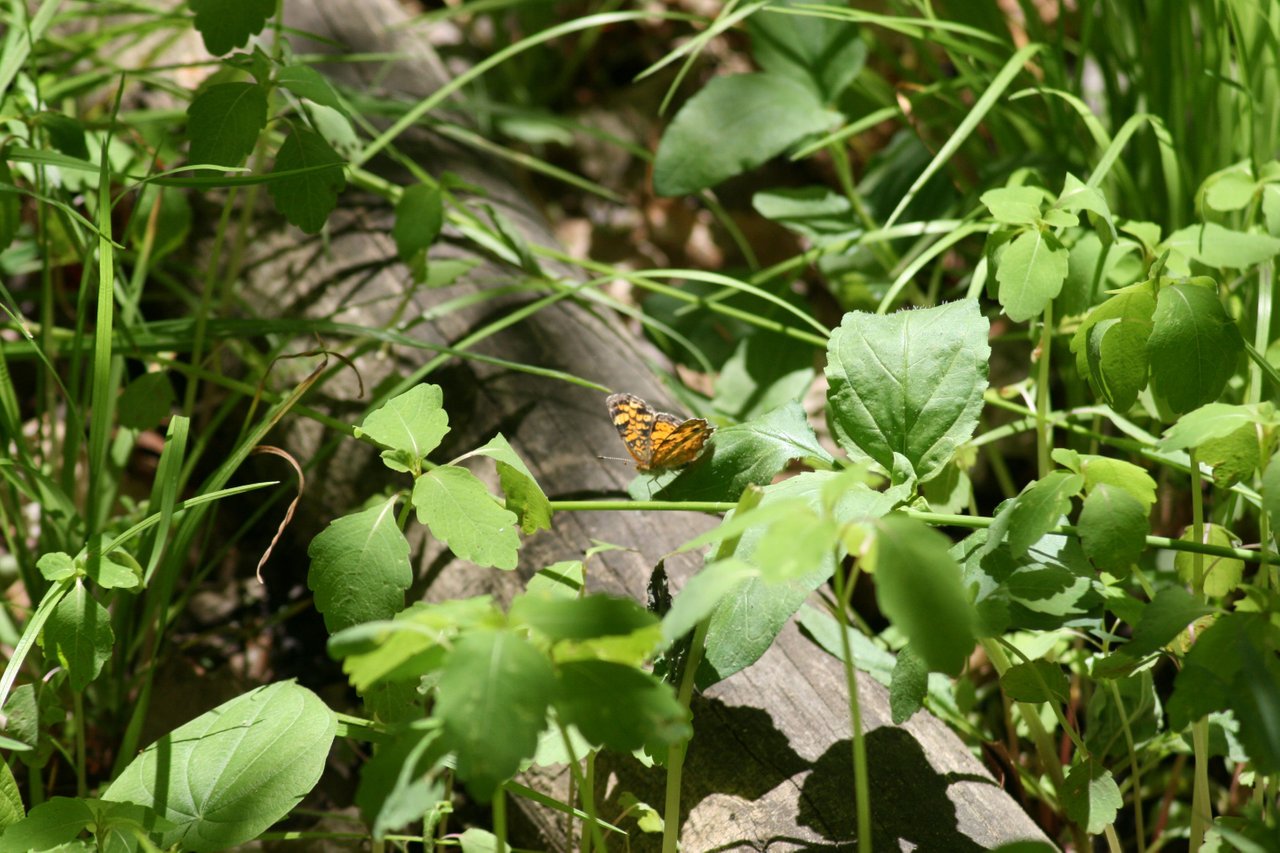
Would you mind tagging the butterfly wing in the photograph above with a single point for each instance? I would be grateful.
(676, 443)
(634, 419)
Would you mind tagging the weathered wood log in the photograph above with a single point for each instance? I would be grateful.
(769, 766)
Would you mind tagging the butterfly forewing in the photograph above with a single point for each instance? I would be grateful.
(656, 439)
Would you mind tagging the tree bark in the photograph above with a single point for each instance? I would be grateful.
(769, 766)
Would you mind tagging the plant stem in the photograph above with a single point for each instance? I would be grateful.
(861, 779)
(1134, 770)
(1043, 434)
(1201, 808)
(676, 752)
(500, 819)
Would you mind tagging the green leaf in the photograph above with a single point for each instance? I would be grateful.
(817, 212)
(1036, 681)
(1030, 273)
(1091, 797)
(402, 781)
(410, 424)
(10, 205)
(795, 546)
(701, 595)
(79, 635)
(524, 496)
(765, 372)
(1139, 712)
(909, 384)
(1230, 189)
(51, 823)
(1194, 345)
(116, 570)
(224, 121)
(360, 567)
(1215, 246)
(306, 199)
(580, 618)
(1098, 470)
(66, 134)
(492, 699)
(620, 707)
(227, 24)
(1113, 528)
(909, 686)
(1221, 574)
(1115, 359)
(145, 401)
(751, 613)
(1167, 616)
(1015, 205)
(56, 566)
(462, 514)
(1233, 458)
(918, 588)
(1077, 196)
(305, 82)
(11, 810)
(1039, 509)
(743, 454)
(227, 775)
(822, 53)
(563, 579)
(732, 125)
(1215, 420)
(419, 218)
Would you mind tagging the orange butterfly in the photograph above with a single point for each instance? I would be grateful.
(656, 440)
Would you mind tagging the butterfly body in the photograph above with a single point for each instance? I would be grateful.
(656, 440)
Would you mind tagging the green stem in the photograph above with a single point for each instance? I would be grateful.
(588, 794)
(1201, 808)
(861, 779)
(77, 711)
(676, 752)
(1043, 436)
(1134, 770)
(500, 819)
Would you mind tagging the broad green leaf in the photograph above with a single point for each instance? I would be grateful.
(1193, 346)
(1089, 266)
(360, 567)
(765, 372)
(908, 384)
(1271, 208)
(305, 82)
(224, 121)
(740, 455)
(402, 780)
(1167, 616)
(410, 424)
(492, 699)
(51, 823)
(732, 125)
(1077, 196)
(145, 401)
(817, 212)
(476, 840)
(116, 570)
(1036, 511)
(1233, 458)
(1091, 797)
(1139, 712)
(1232, 666)
(1230, 189)
(227, 24)
(79, 636)
(1221, 574)
(795, 546)
(822, 53)
(1215, 420)
(620, 707)
(751, 613)
(524, 496)
(306, 199)
(1113, 528)
(1015, 205)
(56, 566)
(1030, 273)
(164, 217)
(918, 588)
(462, 514)
(419, 218)
(230, 773)
(66, 134)
(1215, 246)
(579, 618)
(701, 594)
(1036, 681)
(562, 580)
(11, 809)
(1099, 470)
(909, 686)
(1114, 366)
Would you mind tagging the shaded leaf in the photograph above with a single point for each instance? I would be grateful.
(1193, 346)
(78, 634)
(620, 707)
(307, 198)
(1113, 528)
(227, 24)
(224, 121)
(360, 567)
